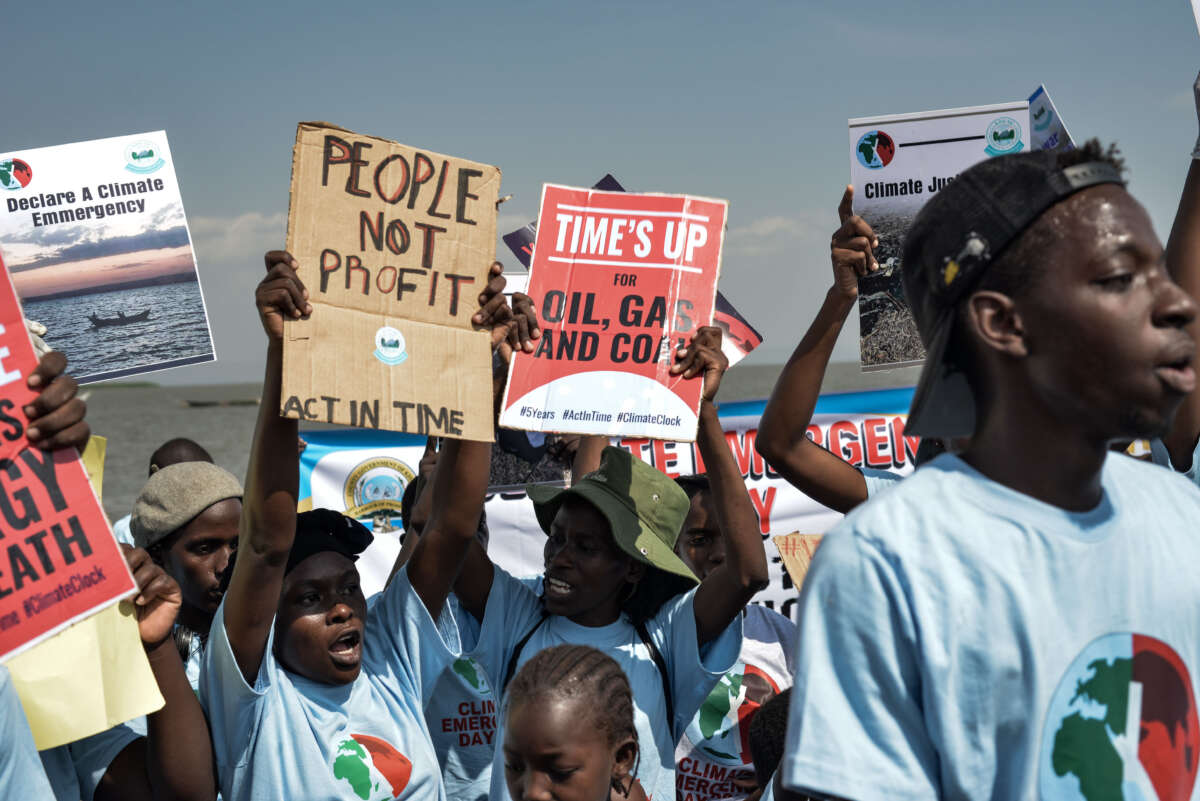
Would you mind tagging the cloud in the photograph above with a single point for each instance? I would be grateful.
(237, 240)
(108, 246)
(774, 235)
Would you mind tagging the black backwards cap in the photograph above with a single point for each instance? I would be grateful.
(321, 530)
(956, 236)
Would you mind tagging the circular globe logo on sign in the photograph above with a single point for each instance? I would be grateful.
(389, 346)
(376, 486)
(15, 174)
(1121, 725)
(875, 150)
(1003, 135)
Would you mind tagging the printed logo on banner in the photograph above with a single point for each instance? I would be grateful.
(1042, 118)
(1122, 724)
(389, 346)
(875, 150)
(373, 769)
(1003, 136)
(141, 157)
(375, 486)
(15, 174)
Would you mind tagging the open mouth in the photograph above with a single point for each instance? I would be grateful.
(347, 648)
(556, 588)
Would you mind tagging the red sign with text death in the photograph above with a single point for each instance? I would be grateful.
(59, 561)
(621, 281)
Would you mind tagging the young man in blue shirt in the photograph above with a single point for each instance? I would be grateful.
(1013, 621)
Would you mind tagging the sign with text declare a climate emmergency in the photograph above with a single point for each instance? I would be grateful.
(622, 280)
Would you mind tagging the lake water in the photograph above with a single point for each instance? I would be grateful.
(176, 333)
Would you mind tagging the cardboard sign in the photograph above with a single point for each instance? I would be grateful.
(738, 338)
(1047, 131)
(394, 246)
(622, 281)
(98, 247)
(59, 561)
(796, 550)
(896, 164)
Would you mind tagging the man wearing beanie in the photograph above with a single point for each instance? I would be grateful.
(1017, 621)
(186, 517)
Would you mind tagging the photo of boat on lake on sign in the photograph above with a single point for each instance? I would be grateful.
(98, 248)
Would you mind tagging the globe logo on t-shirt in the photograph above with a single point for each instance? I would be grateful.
(875, 150)
(1122, 725)
(372, 769)
(471, 674)
(721, 729)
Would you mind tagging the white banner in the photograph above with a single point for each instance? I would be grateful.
(365, 472)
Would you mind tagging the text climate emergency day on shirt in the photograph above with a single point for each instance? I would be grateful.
(59, 561)
(394, 246)
(620, 281)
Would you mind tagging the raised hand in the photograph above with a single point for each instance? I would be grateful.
(851, 247)
(55, 415)
(281, 294)
(158, 599)
(703, 356)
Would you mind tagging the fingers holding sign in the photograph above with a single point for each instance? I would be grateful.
(852, 247)
(281, 294)
(703, 356)
(56, 414)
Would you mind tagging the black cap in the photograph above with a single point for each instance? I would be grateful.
(321, 530)
(950, 245)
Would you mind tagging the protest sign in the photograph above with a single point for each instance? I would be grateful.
(866, 429)
(394, 244)
(796, 550)
(896, 164)
(97, 244)
(622, 280)
(738, 338)
(1047, 131)
(59, 560)
(92, 675)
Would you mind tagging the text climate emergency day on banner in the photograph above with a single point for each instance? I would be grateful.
(896, 164)
(621, 281)
(59, 561)
(394, 245)
(97, 244)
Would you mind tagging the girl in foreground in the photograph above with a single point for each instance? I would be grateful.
(311, 691)
(568, 725)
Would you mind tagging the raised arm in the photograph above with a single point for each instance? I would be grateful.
(726, 590)
(782, 433)
(1183, 262)
(461, 478)
(268, 524)
(175, 760)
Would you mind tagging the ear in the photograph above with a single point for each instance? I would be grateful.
(994, 320)
(624, 758)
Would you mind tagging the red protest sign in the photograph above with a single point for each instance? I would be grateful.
(621, 281)
(59, 561)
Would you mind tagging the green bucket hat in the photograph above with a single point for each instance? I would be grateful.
(644, 508)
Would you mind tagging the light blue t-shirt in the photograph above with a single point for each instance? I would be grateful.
(21, 773)
(513, 608)
(75, 769)
(879, 480)
(461, 715)
(289, 737)
(962, 640)
(121, 530)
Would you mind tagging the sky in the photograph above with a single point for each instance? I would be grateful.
(742, 101)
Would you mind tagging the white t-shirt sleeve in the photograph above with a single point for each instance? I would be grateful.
(856, 701)
(878, 480)
(21, 773)
(693, 670)
(420, 648)
(234, 708)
